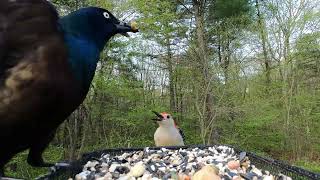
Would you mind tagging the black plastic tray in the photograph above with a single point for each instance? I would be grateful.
(274, 166)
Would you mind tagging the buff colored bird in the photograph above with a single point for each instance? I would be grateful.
(168, 133)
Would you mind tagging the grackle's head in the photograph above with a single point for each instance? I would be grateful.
(96, 23)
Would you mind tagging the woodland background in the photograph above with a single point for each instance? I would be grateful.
(239, 72)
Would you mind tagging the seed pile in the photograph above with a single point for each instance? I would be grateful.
(214, 163)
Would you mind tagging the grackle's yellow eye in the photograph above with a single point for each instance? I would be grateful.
(106, 15)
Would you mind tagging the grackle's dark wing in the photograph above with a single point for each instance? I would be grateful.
(24, 26)
(31, 49)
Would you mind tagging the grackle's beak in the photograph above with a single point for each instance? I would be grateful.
(123, 28)
(159, 116)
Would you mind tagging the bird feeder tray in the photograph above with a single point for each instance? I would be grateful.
(271, 165)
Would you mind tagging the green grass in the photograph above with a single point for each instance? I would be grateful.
(311, 166)
(19, 168)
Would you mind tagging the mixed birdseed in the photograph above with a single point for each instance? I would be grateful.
(182, 164)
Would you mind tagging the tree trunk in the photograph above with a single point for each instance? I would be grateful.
(206, 98)
(173, 104)
(263, 36)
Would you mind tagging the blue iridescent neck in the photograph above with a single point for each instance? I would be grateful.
(83, 59)
(84, 45)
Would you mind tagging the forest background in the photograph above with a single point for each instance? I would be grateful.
(238, 72)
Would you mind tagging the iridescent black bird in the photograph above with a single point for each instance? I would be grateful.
(46, 67)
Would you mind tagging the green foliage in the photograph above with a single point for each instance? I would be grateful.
(230, 8)
(70, 4)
